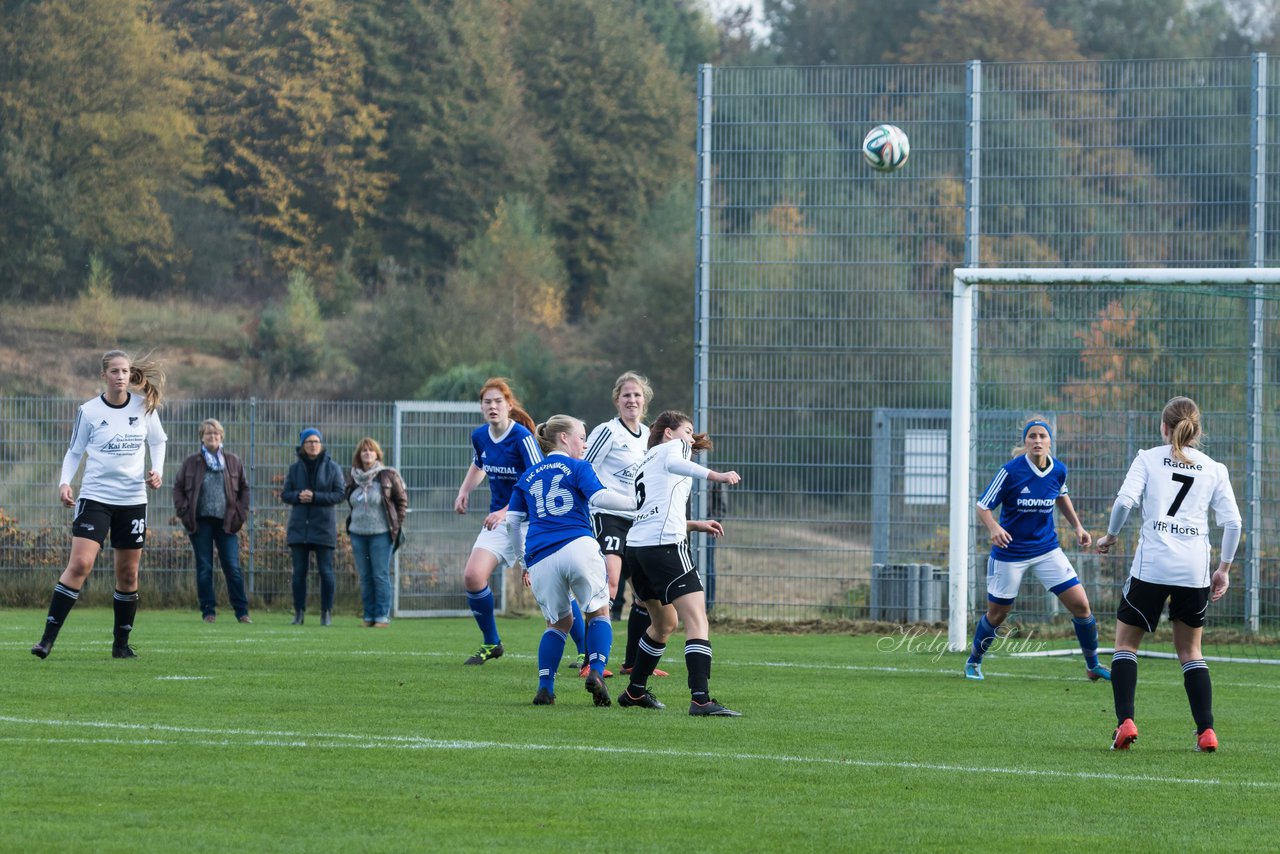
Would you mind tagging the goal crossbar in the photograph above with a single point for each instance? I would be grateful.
(965, 279)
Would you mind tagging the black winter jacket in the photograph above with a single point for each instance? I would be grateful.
(316, 523)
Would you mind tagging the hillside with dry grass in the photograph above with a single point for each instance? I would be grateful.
(54, 349)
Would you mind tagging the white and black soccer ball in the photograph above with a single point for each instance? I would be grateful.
(886, 148)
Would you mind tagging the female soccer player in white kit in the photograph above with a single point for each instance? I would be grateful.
(664, 574)
(1176, 484)
(561, 556)
(114, 430)
(615, 449)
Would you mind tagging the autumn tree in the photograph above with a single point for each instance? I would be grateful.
(93, 132)
(294, 146)
(619, 123)
(458, 137)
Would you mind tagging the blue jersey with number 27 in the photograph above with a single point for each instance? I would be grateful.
(555, 494)
(1027, 497)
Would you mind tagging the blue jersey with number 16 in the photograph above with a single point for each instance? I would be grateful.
(555, 495)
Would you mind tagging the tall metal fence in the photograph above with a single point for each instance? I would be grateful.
(429, 443)
(824, 300)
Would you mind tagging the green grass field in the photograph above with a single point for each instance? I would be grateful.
(268, 737)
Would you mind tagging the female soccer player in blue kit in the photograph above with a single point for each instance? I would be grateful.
(504, 447)
(1027, 489)
(561, 555)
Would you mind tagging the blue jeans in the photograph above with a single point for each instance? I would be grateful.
(209, 533)
(373, 562)
(324, 565)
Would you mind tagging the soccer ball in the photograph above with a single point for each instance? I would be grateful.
(886, 148)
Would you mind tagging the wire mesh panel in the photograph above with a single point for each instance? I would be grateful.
(825, 290)
(433, 451)
(35, 528)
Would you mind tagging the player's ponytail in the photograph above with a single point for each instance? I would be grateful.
(144, 373)
(1181, 418)
(671, 419)
(550, 431)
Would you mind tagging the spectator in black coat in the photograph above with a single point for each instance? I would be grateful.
(313, 487)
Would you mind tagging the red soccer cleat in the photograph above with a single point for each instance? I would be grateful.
(1207, 741)
(1125, 735)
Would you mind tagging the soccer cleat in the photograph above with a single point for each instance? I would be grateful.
(586, 668)
(1097, 672)
(973, 670)
(1207, 741)
(578, 663)
(41, 650)
(123, 650)
(484, 653)
(711, 709)
(244, 618)
(1125, 735)
(544, 698)
(656, 672)
(599, 693)
(644, 701)
(210, 618)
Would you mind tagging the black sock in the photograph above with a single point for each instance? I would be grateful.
(126, 606)
(638, 623)
(697, 658)
(1195, 678)
(1124, 683)
(647, 658)
(60, 604)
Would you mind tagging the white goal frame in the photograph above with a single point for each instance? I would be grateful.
(962, 381)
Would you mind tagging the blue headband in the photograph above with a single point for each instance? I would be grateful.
(1027, 429)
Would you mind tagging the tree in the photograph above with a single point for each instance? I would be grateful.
(294, 146)
(684, 29)
(458, 136)
(840, 32)
(509, 282)
(1145, 29)
(960, 30)
(618, 120)
(92, 132)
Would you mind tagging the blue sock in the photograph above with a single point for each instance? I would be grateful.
(550, 651)
(983, 634)
(1087, 633)
(599, 642)
(481, 603)
(579, 629)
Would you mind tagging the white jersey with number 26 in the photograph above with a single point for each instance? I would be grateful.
(1175, 498)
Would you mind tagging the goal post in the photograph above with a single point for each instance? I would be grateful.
(1249, 286)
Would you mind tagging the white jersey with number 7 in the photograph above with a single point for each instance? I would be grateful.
(1176, 497)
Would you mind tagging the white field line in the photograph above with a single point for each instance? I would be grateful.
(676, 662)
(282, 738)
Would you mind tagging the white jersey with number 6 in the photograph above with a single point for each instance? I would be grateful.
(662, 491)
(1175, 498)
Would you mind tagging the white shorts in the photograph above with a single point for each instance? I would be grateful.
(575, 568)
(1005, 577)
(498, 543)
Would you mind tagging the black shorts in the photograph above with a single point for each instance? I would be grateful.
(128, 525)
(1142, 602)
(611, 533)
(664, 573)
